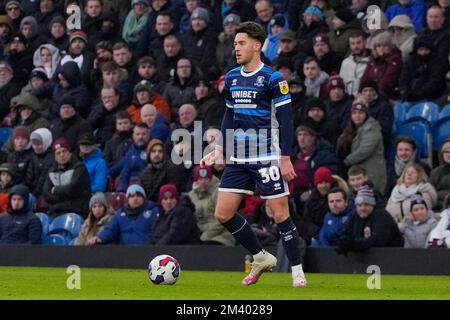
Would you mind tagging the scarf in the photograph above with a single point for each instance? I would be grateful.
(400, 165)
(133, 26)
(313, 86)
(402, 192)
(134, 211)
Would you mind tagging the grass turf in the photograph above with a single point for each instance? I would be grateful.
(50, 283)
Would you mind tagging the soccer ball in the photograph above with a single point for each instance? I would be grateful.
(164, 269)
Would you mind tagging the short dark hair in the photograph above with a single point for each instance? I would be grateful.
(146, 60)
(141, 125)
(311, 59)
(121, 45)
(356, 170)
(407, 140)
(339, 190)
(109, 66)
(357, 34)
(165, 14)
(123, 115)
(253, 30)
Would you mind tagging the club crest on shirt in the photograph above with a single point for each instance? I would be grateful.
(259, 81)
(284, 87)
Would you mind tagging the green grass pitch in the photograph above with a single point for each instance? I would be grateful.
(50, 283)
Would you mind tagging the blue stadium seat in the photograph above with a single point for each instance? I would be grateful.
(69, 223)
(45, 221)
(5, 133)
(445, 113)
(442, 133)
(400, 109)
(421, 133)
(72, 242)
(424, 111)
(55, 240)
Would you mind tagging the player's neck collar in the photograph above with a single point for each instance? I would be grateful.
(249, 74)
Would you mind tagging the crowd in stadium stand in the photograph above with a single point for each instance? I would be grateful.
(87, 116)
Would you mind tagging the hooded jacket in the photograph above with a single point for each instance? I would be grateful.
(41, 163)
(271, 46)
(416, 232)
(56, 58)
(20, 226)
(416, 10)
(404, 38)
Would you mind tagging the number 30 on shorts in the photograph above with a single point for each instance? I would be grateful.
(271, 173)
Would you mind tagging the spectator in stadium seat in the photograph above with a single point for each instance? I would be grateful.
(144, 94)
(112, 76)
(68, 82)
(69, 124)
(338, 102)
(67, 187)
(47, 11)
(340, 209)
(265, 12)
(440, 176)
(314, 209)
(344, 24)
(413, 180)
(117, 146)
(123, 56)
(315, 78)
(42, 159)
(405, 153)
(371, 226)
(58, 33)
(208, 108)
(353, 66)
(48, 57)
(135, 160)
(185, 19)
(8, 88)
(414, 9)
(14, 10)
(156, 122)
(357, 177)
(176, 223)
(423, 75)
(90, 18)
(6, 182)
(100, 214)
(20, 155)
(20, 58)
(133, 223)
(375, 32)
(329, 61)
(380, 109)
(313, 22)
(403, 34)
(224, 49)
(181, 90)
(94, 162)
(297, 91)
(148, 70)
(418, 224)
(20, 225)
(275, 28)
(164, 27)
(204, 197)
(361, 143)
(437, 31)
(384, 65)
(30, 30)
(167, 62)
(289, 50)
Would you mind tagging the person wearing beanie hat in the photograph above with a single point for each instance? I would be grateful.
(135, 21)
(42, 158)
(231, 18)
(92, 158)
(329, 61)
(20, 154)
(100, 214)
(40, 73)
(8, 31)
(78, 34)
(176, 223)
(200, 13)
(316, 11)
(67, 187)
(371, 226)
(132, 224)
(58, 33)
(21, 132)
(334, 82)
(202, 172)
(322, 175)
(20, 225)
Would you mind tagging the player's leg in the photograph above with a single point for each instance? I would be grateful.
(289, 237)
(234, 184)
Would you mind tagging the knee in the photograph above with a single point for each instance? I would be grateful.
(280, 216)
(221, 217)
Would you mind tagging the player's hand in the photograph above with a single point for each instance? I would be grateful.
(214, 157)
(94, 240)
(287, 169)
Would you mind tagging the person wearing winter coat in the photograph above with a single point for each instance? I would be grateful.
(384, 65)
(29, 27)
(353, 66)
(412, 181)
(100, 214)
(340, 209)
(9, 88)
(134, 161)
(92, 157)
(375, 32)
(133, 223)
(135, 22)
(48, 57)
(209, 110)
(313, 22)
(419, 224)
(225, 48)
(67, 187)
(42, 159)
(47, 11)
(329, 61)
(315, 78)
(20, 225)
(68, 83)
(20, 155)
(361, 144)
(19, 56)
(200, 41)
(423, 75)
(414, 9)
(371, 226)
(338, 102)
(275, 28)
(117, 146)
(204, 197)
(58, 33)
(6, 182)
(176, 223)
(344, 24)
(440, 176)
(69, 123)
(403, 34)
(437, 30)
